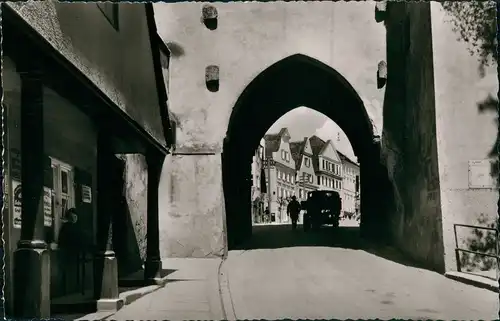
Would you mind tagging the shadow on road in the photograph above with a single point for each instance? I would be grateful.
(347, 237)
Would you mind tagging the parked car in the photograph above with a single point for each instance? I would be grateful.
(322, 207)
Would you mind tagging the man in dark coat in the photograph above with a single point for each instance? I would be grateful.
(293, 210)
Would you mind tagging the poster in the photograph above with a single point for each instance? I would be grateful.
(16, 187)
(480, 174)
(86, 194)
(47, 205)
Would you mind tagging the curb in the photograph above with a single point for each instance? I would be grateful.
(127, 298)
(225, 293)
(133, 295)
(474, 280)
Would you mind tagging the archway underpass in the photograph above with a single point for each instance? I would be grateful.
(297, 81)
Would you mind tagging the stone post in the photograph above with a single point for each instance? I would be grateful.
(152, 265)
(105, 264)
(32, 259)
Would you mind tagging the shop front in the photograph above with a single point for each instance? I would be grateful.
(69, 177)
(61, 138)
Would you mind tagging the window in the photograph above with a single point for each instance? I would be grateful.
(318, 179)
(307, 161)
(63, 193)
(285, 155)
(110, 11)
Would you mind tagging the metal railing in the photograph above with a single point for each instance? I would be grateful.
(458, 249)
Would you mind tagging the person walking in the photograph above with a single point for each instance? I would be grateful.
(293, 210)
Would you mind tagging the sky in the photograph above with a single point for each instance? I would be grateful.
(304, 122)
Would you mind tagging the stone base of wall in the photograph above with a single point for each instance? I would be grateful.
(192, 211)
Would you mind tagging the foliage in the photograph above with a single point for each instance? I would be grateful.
(482, 241)
(476, 23)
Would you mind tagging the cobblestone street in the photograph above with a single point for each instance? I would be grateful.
(340, 278)
(282, 273)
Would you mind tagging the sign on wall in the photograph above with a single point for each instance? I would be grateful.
(86, 194)
(16, 220)
(480, 174)
(47, 205)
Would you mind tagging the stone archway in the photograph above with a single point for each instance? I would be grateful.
(295, 81)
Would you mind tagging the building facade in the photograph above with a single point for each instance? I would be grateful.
(280, 177)
(350, 186)
(318, 165)
(305, 176)
(327, 165)
(258, 184)
(79, 117)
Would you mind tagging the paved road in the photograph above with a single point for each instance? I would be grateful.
(292, 274)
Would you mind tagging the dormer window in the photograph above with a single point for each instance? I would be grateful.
(307, 161)
(285, 155)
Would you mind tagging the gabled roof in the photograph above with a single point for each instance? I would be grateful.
(297, 149)
(273, 141)
(317, 145)
(344, 159)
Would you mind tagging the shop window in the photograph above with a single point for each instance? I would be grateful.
(63, 192)
(110, 11)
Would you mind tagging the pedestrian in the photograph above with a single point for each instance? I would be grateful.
(293, 210)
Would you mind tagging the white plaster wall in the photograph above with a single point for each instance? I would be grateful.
(284, 146)
(463, 133)
(250, 37)
(136, 195)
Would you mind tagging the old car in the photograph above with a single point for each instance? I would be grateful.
(322, 208)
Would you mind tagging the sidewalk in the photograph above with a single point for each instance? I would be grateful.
(475, 280)
(191, 293)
